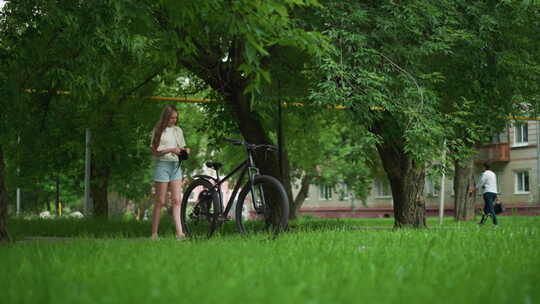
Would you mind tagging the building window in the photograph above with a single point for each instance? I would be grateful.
(497, 176)
(432, 188)
(325, 192)
(343, 192)
(383, 188)
(499, 138)
(522, 182)
(521, 134)
(308, 191)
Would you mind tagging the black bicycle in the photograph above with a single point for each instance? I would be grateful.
(262, 205)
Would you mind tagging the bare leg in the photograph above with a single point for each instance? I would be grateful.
(175, 188)
(161, 192)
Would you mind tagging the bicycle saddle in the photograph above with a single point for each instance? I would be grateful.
(214, 165)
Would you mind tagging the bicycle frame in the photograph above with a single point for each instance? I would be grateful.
(208, 211)
(246, 166)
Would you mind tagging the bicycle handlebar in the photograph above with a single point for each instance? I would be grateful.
(238, 142)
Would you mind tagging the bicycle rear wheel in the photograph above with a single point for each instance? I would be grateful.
(262, 207)
(200, 209)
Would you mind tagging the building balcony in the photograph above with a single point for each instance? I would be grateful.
(494, 153)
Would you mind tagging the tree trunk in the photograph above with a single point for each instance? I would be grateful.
(463, 199)
(253, 132)
(36, 203)
(406, 176)
(99, 188)
(4, 236)
(301, 196)
(48, 202)
(57, 196)
(100, 166)
(231, 84)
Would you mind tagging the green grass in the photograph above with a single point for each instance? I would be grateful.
(318, 261)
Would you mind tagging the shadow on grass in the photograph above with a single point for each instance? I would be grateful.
(130, 229)
(308, 224)
(118, 228)
(88, 228)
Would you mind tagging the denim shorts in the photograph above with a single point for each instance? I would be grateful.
(166, 171)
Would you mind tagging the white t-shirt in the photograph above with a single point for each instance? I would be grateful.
(488, 182)
(172, 137)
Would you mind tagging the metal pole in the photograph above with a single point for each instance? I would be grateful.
(443, 181)
(87, 174)
(441, 202)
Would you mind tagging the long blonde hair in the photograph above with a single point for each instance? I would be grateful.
(161, 124)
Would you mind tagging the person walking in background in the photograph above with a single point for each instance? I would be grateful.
(488, 186)
(167, 142)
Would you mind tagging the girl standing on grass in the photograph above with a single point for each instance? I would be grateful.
(167, 142)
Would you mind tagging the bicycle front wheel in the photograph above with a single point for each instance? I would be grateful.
(262, 207)
(200, 209)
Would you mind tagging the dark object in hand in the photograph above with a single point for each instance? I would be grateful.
(498, 208)
(183, 155)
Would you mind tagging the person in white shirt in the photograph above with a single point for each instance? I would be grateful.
(167, 142)
(488, 186)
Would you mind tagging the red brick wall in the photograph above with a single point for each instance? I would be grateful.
(378, 212)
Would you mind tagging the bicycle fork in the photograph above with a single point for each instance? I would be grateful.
(257, 193)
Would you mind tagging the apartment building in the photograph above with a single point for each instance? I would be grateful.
(515, 158)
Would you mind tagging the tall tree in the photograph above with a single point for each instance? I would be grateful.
(84, 48)
(380, 71)
(232, 53)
